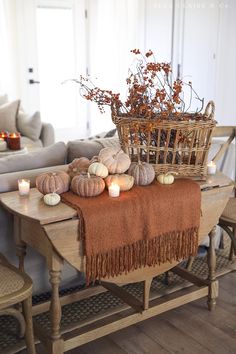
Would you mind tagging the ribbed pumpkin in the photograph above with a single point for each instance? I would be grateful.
(115, 159)
(98, 169)
(125, 182)
(51, 199)
(78, 165)
(53, 182)
(142, 172)
(166, 178)
(86, 185)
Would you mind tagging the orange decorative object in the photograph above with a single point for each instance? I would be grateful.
(13, 141)
(4, 135)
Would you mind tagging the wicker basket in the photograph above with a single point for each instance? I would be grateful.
(178, 146)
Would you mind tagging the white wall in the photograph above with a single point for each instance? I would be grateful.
(204, 45)
(209, 53)
(226, 66)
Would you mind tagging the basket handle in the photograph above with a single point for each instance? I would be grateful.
(210, 110)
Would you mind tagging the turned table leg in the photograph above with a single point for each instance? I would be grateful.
(213, 283)
(57, 346)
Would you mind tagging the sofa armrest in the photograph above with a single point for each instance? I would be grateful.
(47, 135)
(8, 181)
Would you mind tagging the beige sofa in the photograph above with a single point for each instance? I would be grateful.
(34, 133)
(53, 158)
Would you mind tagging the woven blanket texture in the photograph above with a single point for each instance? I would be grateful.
(143, 227)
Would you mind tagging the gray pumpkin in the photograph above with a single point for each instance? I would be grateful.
(142, 172)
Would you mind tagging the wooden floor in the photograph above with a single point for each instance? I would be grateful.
(190, 329)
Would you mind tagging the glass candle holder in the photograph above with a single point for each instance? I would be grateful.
(4, 135)
(13, 141)
(211, 168)
(24, 187)
(114, 190)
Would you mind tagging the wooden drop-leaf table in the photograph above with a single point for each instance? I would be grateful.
(53, 232)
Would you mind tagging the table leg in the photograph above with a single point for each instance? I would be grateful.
(20, 245)
(55, 313)
(211, 260)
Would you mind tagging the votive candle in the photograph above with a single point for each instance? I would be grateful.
(14, 141)
(211, 168)
(114, 190)
(24, 187)
(4, 135)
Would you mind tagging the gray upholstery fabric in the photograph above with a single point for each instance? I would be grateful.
(30, 144)
(49, 156)
(29, 126)
(47, 135)
(78, 148)
(8, 114)
(8, 181)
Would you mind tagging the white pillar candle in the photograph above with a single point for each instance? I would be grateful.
(211, 168)
(114, 190)
(24, 186)
(3, 144)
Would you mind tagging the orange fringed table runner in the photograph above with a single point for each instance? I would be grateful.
(143, 227)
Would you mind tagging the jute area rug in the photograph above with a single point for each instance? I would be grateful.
(88, 308)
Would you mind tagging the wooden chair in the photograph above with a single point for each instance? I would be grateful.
(228, 218)
(15, 288)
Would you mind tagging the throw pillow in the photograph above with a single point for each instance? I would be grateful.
(43, 157)
(3, 99)
(8, 114)
(29, 126)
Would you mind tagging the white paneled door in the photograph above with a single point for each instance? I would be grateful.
(55, 32)
(61, 39)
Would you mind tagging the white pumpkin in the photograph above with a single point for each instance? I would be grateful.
(51, 199)
(98, 169)
(166, 178)
(115, 159)
(125, 182)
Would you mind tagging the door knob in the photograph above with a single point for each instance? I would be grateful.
(32, 81)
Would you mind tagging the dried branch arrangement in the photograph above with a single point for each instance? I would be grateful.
(151, 93)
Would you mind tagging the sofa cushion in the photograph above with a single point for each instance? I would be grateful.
(30, 144)
(89, 148)
(49, 156)
(85, 148)
(8, 114)
(29, 126)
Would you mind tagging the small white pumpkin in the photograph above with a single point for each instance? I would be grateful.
(166, 178)
(51, 199)
(98, 169)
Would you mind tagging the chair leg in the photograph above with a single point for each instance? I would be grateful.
(29, 334)
(232, 235)
(17, 314)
